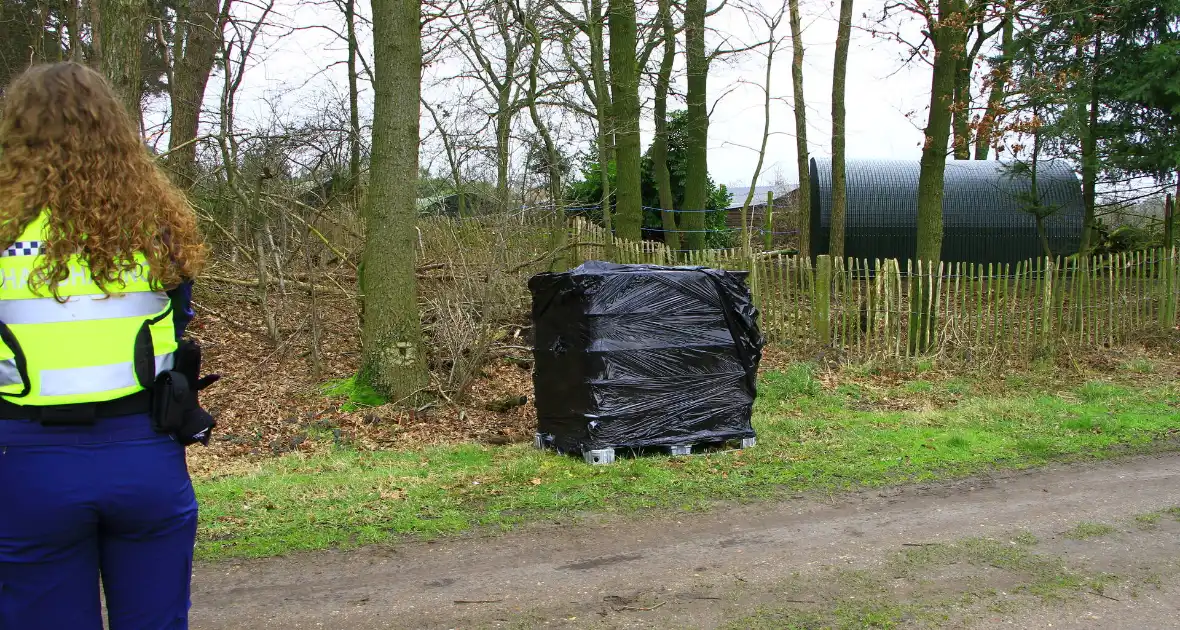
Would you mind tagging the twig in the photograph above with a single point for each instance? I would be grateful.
(1113, 599)
(478, 601)
(551, 255)
(253, 284)
(640, 609)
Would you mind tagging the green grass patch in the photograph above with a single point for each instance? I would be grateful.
(1148, 521)
(356, 395)
(809, 438)
(1087, 531)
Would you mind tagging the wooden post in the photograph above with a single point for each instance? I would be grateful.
(1170, 221)
(1047, 307)
(1167, 284)
(768, 222)
(822, 307)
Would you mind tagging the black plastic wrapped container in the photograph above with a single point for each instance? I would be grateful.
(632, 356)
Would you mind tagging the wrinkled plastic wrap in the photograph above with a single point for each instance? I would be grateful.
(632, 356)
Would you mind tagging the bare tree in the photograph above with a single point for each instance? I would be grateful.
(801, 150)
(487, 36)
(771, 21)
(196, 40)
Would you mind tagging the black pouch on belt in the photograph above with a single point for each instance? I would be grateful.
(176, 409)
(170, 400)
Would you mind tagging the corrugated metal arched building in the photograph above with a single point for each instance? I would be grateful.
(983, 220)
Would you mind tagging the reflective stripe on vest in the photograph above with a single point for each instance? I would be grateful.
(81, 308)
(86, 346)
(76, 381)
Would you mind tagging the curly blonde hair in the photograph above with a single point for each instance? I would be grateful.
(68, 145)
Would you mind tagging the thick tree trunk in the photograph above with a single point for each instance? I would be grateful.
(624, 72)
(123, 25)
(949, 40)
(198, 38)
(839, 171)
(697, 126)
(659, 144)
(74, 25)
(961, 118)
(393, 361)
(802, 154)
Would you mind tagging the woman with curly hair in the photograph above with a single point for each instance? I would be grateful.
(97, 250)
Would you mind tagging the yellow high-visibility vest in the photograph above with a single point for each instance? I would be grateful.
(90, 348)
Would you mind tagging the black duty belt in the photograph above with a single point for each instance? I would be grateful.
(79, 414)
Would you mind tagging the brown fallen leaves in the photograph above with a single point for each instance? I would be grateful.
(270, 400)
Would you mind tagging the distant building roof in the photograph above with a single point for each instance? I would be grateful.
(739, 195)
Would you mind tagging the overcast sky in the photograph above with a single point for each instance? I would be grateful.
(294, 72)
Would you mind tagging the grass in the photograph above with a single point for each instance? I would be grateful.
(810, 438)
(355, 395)
(914, 587)
(1087, 531)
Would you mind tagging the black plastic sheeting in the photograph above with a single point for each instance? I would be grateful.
(632, 356)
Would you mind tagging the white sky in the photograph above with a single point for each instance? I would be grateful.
(297, 70)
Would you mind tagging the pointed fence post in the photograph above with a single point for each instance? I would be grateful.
(823, 299)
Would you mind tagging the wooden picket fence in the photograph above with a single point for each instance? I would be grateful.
(859, 309)
(863, 308)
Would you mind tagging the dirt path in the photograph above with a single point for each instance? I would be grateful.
(1060, 546)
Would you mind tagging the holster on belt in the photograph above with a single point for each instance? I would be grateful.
(175, 407)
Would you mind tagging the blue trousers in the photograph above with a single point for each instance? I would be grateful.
(113, 502)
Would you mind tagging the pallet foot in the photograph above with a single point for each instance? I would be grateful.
(680, 449)
(599, 457)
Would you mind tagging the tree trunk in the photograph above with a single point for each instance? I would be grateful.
(1034, 189)
(74, 24)
(659, 143)
(354, 115)
(1000, 77)
(124, 23)
(197, 40)
(802, 156)
(503, 137)
(747, 246)
(606, 133)
(1170, 219)
(624, 73)
(949, 40)
(961, 109)
(1090, 153)
(697, 126)
(393, 362)
(839, 171)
